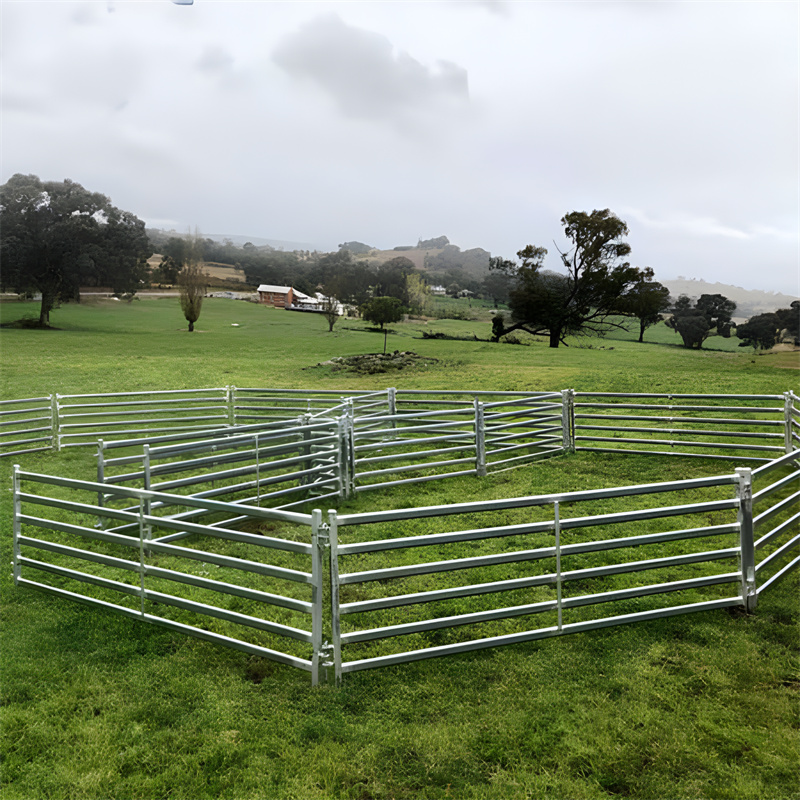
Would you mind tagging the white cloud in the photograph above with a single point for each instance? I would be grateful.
(363, 74)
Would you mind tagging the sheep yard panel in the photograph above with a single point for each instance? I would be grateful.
(208, 512)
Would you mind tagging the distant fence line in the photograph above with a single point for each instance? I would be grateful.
(158, 536)
(748, 427)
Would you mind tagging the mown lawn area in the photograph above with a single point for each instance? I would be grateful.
(98, 706)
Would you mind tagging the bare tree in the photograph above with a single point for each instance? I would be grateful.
(330, 310)
(192, 284)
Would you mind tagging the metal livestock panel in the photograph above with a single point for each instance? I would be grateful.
(776, 518)
(259, 594)
(547, 563)
(253, 405)
(747, 428)
(272, 468)
(26, 426)
(83, 418)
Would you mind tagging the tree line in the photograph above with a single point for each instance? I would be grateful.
(57, 236)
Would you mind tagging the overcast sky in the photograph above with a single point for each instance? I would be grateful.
(386, 122)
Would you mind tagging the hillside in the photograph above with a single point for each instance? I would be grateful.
(436, 256)
(749, 302)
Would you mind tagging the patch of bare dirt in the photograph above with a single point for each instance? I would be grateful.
(372, 363)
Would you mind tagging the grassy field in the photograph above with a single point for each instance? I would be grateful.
(96, 706)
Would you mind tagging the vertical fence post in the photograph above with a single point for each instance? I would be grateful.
(793, 409)
(230, 398)
(316, 594)
(56, 423)
(258, 470)
(557, 525)
(144, 533)
(101, 477)
(568, 420)
(480, 439)
(336, 627)
(341, 458)
(787, 421)
(391, 400)
(350, 447)
(146, 464)
(305, 450)
(745, 518)
(17, 525)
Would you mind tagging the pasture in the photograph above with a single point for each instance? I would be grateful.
(95, 706)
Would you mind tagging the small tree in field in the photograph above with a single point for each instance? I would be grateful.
(382, 310)
(645, 301)
(192, 282)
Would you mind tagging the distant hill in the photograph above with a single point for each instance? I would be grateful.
(436, 256)
(749, 302)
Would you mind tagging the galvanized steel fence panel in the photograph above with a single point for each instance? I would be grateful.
(775, 490)
(253, 592)
(26, 426)
(249, 405)
(82, 418)
(547, 562)
(554, 565)
(749, 428)
(273, 463)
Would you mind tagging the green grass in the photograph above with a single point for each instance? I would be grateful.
(97, 706)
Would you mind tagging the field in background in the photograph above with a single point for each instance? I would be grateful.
(97, 706)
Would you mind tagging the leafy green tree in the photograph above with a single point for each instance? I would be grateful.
(646, 300)
(391, 279)
(585, 299)
(789, 319)
(694, 323)
(54, 236)
(496, 284)
(341, 277)
(383, 311)
(766, 330)
(418, 293)
(718, 311)
(761, 331)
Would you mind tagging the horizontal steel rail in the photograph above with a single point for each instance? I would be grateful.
(777, 486)
(683, 396)
(681, 454)
(683, 420)
(413, 454)
(415, 467)
(158, 393)
(650, 406)
(179, 627)
(419, 479)
(171, 499)
(534, 500)
(528, 528)
(777, 463)
(166, 599)
(450, 565)
(681, 432)
(568, 602)
(718, 445)
(529, 636)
